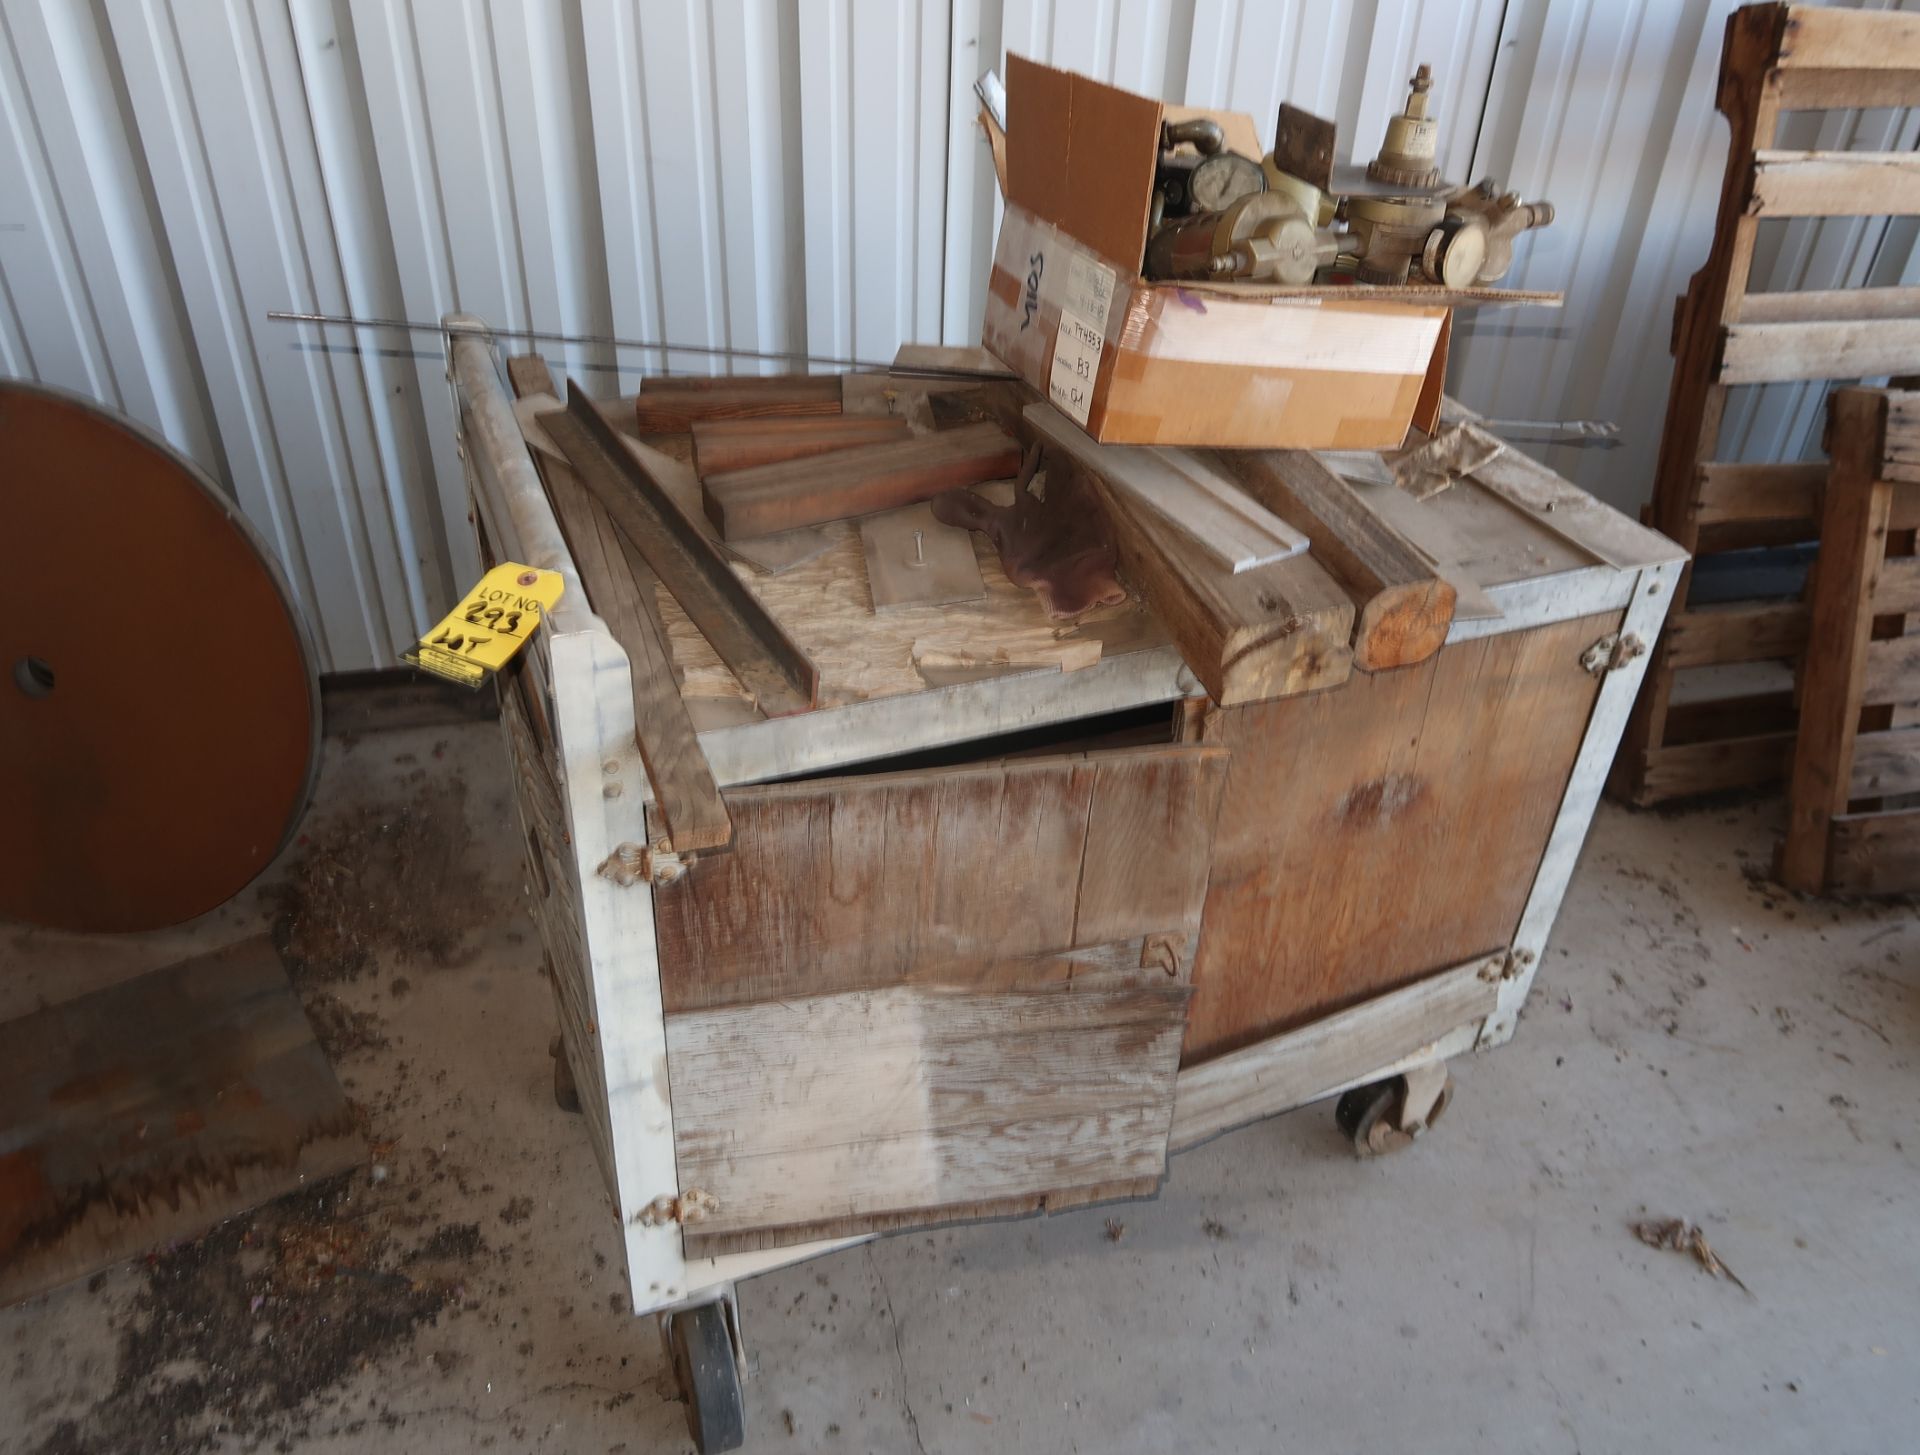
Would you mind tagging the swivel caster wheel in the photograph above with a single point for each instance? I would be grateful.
(709, 1377)
(1387, 1115)
(566, 1095)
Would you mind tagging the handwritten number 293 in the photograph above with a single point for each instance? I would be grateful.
(480, 614)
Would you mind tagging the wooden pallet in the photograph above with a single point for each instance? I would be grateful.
(1777, 58)
(1853, 823)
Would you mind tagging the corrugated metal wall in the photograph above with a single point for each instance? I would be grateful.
(777, 177)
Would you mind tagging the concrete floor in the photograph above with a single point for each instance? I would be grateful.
(1696, 1047)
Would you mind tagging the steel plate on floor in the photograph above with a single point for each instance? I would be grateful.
(159, 710)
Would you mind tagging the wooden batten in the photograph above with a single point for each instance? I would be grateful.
(1716, 635)
(672, 405)
(755, 647)
(1403, 607)
(740, 444)
(620, 586)
(857, 481)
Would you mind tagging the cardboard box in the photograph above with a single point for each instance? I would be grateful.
(1133, 362)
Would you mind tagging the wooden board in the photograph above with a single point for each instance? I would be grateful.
(1404, 608)
(1370, 835)
(1277, 631)
(1710, 635)
(666, 406)
(150, 1111)
(914, 560)
(619, 585)
(840, 884)
(739, 444)
(766, 661)
(1770, 353)
(1181, 492)
(948, 993)
(1875, 853)
(838, 1114)
(1835, 184)
(1833, 673)
(857, 481)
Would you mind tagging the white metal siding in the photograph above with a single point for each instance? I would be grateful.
(776, 177)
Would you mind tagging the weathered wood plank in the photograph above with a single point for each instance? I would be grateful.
(672, 406)
(864, 882)
(857, 481)
(816, 1116)
(1404, 778)
(1831, 305)
(1730, 492)
(1768, 353)
(1710, 635)
(1816, 38)
(1892, 672)
(1835, 184)
(740, 444)
(619, 586)
(754, 646)
(151, 1110)
(1898, 590)
(1404, 609)
(1885, 763)
(1690, 769)
(1182, 492)
(1290, 1070)
(1853, 528)
(1875, 853)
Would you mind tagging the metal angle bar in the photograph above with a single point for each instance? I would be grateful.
(756, 649)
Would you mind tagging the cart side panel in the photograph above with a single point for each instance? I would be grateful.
(914, 997)
(1371, 836)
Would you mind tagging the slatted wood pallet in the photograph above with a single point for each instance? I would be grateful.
(1777, 58)
(1853, 824)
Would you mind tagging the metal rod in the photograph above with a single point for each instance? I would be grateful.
(348, 320)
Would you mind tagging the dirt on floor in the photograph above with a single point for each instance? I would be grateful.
(233, 1335)
(378, 881)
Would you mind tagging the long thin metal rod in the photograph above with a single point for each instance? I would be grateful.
(347, 320)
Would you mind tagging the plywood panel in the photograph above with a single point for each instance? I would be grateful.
(1370, 835)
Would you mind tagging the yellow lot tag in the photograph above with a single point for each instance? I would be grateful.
(482, 633)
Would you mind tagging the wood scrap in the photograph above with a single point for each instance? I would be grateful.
(740, 444)
(915, 560)
(1403, 606)
(151, 1110)
(1459, 449)
(945, 361)
(942, 664)
(619, 586)
(777, 553)
(1677, 1235)
(1184, 493)
(1273, 631)
(858, 481)
(757, 650)
(671, 405)
(1059, 545)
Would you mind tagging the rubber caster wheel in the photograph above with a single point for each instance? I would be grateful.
(709, 1378)
(1374, 1118)
(566, 1095)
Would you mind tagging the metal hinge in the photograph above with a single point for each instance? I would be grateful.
(1612, 652)
(690, 1206)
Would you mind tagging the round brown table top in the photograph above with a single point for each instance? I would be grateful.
(159, 708)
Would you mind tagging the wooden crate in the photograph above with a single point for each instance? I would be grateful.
(1853, 819)
(1776, 58)
(946, 966)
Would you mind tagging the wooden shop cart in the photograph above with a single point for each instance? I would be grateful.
(1000, 945)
